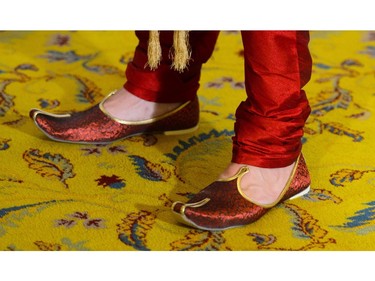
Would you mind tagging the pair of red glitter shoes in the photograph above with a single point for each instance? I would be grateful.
(219, 206)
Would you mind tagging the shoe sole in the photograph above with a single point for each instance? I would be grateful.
(180, 132)
(302, 193)
(167, 133)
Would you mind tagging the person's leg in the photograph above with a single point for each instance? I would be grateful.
(267, 165)
(160, 101)
(149, 93)
(269, 124)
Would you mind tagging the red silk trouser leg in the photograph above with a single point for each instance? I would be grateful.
(269, 124)
(165, 84)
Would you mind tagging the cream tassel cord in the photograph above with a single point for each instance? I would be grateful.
(181, 50)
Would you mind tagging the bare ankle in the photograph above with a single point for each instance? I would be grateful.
(126, 106)
(262, 185)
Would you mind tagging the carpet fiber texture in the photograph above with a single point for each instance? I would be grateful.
(59, 196)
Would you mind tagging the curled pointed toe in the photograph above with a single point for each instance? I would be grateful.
(96, 126)
(222, 205)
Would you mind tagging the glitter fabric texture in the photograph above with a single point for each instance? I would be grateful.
(226, 208)
(94, 126)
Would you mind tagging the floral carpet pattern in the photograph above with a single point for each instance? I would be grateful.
(70, 197)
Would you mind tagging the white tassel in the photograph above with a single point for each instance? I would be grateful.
(154, 50)
(182, 53)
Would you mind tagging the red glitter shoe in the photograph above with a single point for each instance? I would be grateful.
(222, 205)
(96, 126)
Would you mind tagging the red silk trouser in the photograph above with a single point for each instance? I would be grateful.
(269, 123)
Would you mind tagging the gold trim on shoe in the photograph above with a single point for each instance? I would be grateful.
(192, 205)
(38, 111)
(242, 171)
(285, 189)
(184, 220)
(140, 122)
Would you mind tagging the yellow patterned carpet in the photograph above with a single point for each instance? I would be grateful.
(57, 196)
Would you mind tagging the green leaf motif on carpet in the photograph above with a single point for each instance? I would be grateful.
(346, 176)
(148, 170)
(133, 229)
(363, 221)
(52, 166)
(198, 240)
